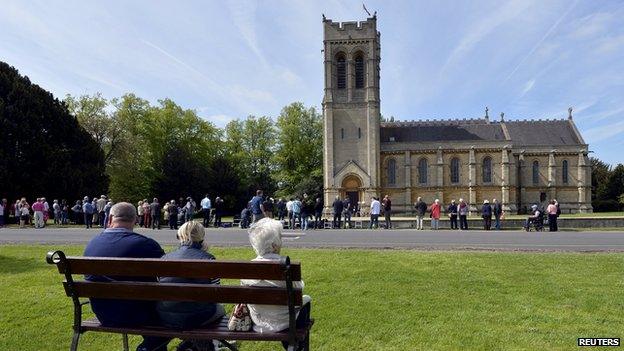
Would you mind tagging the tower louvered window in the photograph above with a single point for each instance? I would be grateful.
(341, 72)
(359, 71)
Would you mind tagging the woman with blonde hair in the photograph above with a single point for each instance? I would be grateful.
(187, 315)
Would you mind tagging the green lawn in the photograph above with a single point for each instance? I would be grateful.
(377, 300)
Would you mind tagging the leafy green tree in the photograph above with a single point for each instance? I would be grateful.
(600, 175)
(615, 183)
(44, 150)
(93, 117)
(299, 156)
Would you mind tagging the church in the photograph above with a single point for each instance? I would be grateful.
(518, 162)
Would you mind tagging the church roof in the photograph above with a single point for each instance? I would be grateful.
(530, 132)
(543, 132)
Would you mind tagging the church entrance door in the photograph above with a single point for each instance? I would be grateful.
(351, 186)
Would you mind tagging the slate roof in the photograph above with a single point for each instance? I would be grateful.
(536, 132)
(550, 132)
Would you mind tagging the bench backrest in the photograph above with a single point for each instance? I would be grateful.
(75, 286)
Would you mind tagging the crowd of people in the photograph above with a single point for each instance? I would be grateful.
(302, 212)
(119, 239)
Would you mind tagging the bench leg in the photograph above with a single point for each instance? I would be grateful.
(125, 342)
(74, 343)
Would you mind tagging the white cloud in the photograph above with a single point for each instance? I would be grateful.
(244, 17)
(527, 87)
(604, 132)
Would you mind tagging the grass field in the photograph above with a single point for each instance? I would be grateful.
(377, 300)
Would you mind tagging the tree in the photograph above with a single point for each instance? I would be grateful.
(615, 183)
(93, 117)
(44, 150)
(299, 155)
(600, 174)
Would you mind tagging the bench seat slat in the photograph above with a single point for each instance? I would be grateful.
(218, 331)
(201, 269)
(182, 292)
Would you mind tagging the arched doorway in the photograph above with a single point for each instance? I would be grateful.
(351, 186)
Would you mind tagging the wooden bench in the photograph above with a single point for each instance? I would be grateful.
(73, 268)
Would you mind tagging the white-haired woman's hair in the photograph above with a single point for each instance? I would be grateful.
(192, 232)
(265, 236)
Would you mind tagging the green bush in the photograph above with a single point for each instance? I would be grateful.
(607, 206)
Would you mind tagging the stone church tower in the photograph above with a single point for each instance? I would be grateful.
(351, 110)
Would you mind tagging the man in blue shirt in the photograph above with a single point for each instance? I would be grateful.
(206, 206)
(88, 209)
(119, 240)
(257, 208)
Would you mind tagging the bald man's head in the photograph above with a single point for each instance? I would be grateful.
(122, 215)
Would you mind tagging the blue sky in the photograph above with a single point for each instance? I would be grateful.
(440, 59)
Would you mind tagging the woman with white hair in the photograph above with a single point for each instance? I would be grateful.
(186, 315)
(265, 237)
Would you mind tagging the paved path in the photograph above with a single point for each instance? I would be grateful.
(405, 239)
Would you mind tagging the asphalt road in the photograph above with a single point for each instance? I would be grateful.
(389, 239)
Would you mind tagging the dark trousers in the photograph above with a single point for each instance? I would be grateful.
(463, 222)
(88, 217)
(173, 221)
(552, 222)
(487, 222)
(206, 212)
(147, 220)
(454, 221)
(318, 220)
(374, 221)
(387, 214)
(155, 221)
(337, 220)
(101, 216)
(217, 219)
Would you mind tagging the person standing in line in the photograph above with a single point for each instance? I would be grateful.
(436, 211)
(77, 213)
(87, 209)
(452, 213)
(337, 207)
(558, 214)
(24, 213)
(46, 211)
(173, 215)
(306, 211)
(155, 212)
(281, 210)
(218, 211)
(497, 210)
(296, 208)
(57, 212)
(387, 207)
(257, 209)
(140, 213)
(347, 210)
(290, 214)
(2, 212)
(189, 209)
(206, 206)
(318, 213)
(462, 210)
(147, 214)
(95, 216)
(107, 209)
(64, 212)
(99, 206)
(421, 209)
(375, 210)
(486, 213)
(165, 213)
(552, 216)
(38, 213)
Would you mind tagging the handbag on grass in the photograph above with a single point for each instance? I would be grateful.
(240, 320)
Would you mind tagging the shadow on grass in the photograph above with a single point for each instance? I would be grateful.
(13, 265)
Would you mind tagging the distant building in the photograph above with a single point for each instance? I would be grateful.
(520, 163)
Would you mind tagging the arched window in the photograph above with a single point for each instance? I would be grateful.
(341, 71)
(359, 71)
(422, 171)
(564, 172)
(455, 170)
(391, 171)
(487, 169)
(341, 133)
(535, 172)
